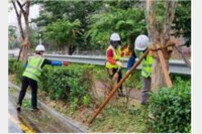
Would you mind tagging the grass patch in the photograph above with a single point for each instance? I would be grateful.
(26, 103)
(120, 119)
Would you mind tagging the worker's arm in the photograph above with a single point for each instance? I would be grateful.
(131, 61)
(54, 63)
(109, 57)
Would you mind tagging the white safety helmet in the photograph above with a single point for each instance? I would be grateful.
(141, 42)
(40, 47)
(115, 37)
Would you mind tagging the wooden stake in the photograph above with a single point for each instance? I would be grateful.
(118, 86)
(164, 67)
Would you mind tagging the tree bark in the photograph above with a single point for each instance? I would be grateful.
(159, 37)
(19, 15)
(25, 36)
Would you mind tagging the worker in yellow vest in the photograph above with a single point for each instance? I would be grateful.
(113, 60)
(141, 45)
(32, 74)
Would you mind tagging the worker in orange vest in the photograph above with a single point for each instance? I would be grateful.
(113, 60)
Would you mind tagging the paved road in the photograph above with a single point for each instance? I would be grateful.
(15, 124)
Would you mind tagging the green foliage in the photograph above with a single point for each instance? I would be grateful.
(86, 100)
(34, 37)
(12, 31)
(171, 108)
(70, 83)
(182, 21)
(12, 36)
(69, 10)
(128, 23)
(62, 31)
(12, 65)
(134, 81)
(119, 119)
(17, 68)
(26, 103)
(65, 83)
(99, 19)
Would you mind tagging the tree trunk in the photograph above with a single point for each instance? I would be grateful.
(161, 36)
(25, 37)
(69, 47)
(19, 15)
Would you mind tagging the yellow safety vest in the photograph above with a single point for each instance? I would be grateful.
(116, 56)
(146, 64)
(33, 69)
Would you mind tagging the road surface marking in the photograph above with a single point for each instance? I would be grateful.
(20, 125)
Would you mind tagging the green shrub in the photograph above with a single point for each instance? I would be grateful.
(71, 83)
(66, 83)
(15, 67)
(134, 80)
(86, 100)
(170, 109)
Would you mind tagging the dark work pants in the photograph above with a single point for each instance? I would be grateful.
(114, 70)
(33, 84)
(145, 89)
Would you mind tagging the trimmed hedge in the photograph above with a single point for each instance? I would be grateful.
(69, 83)
(66, 83)
(171, 108)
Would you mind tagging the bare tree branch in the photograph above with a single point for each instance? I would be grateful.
(21, 7)
(19, 15)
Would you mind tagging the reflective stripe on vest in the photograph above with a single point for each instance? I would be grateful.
(116, 56)
(146, 64)
(33, 69)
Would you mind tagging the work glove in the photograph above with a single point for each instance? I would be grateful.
(119, 64)
(64, 63)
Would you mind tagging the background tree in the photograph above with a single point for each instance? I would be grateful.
(100, 18)
(182, 21)
(129, 23)
(12, 37)
(22, 8)
(63, 33)
(51, 11)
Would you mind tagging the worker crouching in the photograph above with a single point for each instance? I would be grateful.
(113, 60)
(32, 73)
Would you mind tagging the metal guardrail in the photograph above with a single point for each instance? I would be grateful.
(175, 66)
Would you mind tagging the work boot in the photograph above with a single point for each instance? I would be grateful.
(35, 109)
(18, 107)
